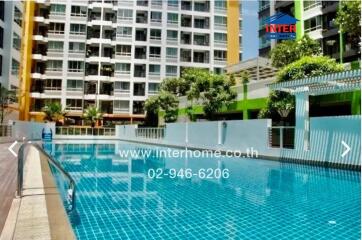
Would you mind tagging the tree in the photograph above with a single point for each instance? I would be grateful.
(289, 51)
(213, 90)
(93, 115)
(349, 17)
(54, 112)
(177, 86)
(164, 101)
(6, 98)
(305, 67)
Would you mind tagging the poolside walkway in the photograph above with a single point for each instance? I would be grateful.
(8, 172)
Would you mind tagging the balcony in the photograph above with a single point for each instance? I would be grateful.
(201, 57)
(140, 71)
(142, 17)
(186, 20)
(155, 53)
(139, 89)
(140, 52)
(202, 23)
(120, 107)
(186, 38)
(106, 89)
(201, 40)
(185, 55)
(142, 3)
(186, 5)
(202, 6)
(138, 107)
(123, 52)
(141, 34)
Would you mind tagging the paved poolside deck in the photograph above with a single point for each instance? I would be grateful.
(8, 173)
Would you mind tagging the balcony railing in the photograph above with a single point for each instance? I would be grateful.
(281, 137)
(84, 131)
(5, 131)
(151, 133)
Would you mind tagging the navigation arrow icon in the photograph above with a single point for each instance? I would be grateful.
(11, 148)
(348, 148)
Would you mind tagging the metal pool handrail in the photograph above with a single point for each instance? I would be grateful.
(71, 189)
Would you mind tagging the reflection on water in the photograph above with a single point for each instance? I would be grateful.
(260, 200)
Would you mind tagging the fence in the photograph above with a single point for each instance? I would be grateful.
(85, 131)
(154, 133)
(5, 131)
(281, 137)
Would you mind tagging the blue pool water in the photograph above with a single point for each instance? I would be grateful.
(260, 200)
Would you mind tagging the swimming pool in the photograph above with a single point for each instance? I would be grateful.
(261, 199)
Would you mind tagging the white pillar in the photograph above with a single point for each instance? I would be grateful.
(301, 138)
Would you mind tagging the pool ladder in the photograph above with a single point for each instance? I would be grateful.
(71, 189)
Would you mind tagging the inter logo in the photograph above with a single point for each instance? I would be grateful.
(281, 26)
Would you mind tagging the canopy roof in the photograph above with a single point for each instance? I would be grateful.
(321, 85)
(258, 68)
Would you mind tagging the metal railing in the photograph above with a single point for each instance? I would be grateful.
(71, 189)
(281, 137)
(85, 131)
(5, 130)
(153, 133)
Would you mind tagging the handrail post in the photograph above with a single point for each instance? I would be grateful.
(281, 137)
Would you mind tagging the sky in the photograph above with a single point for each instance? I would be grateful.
(250, 29)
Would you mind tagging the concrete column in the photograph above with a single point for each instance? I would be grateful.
(301, 138)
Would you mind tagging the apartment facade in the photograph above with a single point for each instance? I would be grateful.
(114, 54)
(316, 18)
(10, 43)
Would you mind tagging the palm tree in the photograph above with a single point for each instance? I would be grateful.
(92, 114)
(54, 112)
(6, 98)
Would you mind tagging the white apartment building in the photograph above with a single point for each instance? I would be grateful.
(114, 54)
(10, 43)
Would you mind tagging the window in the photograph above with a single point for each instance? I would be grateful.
(1, 37)
(77, 29)
(55, 46)
(123, 68)
(125, 14)
(171, 52)
(1, 65)
(16, 41)
(17, 16)
(76, 47)
(220, 37)
(172, 35)
(123, 50)
(75, 66)
(313, 24)
(171, 70)
(220, 4)
(172, 18)
(155, 52)
(75, 85)
(172, 3)
(154, 70)
(79, 11)
(155, 34)
(53, 84)
(54, 65)
(220, 55)
(74, 104)
(121, 87)
(57, 9)
(56, 28)
(156, 17)
(153, 88)
(121, 106)
(14, 67)
(139, 89)
(124, 32)
(220, 21)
